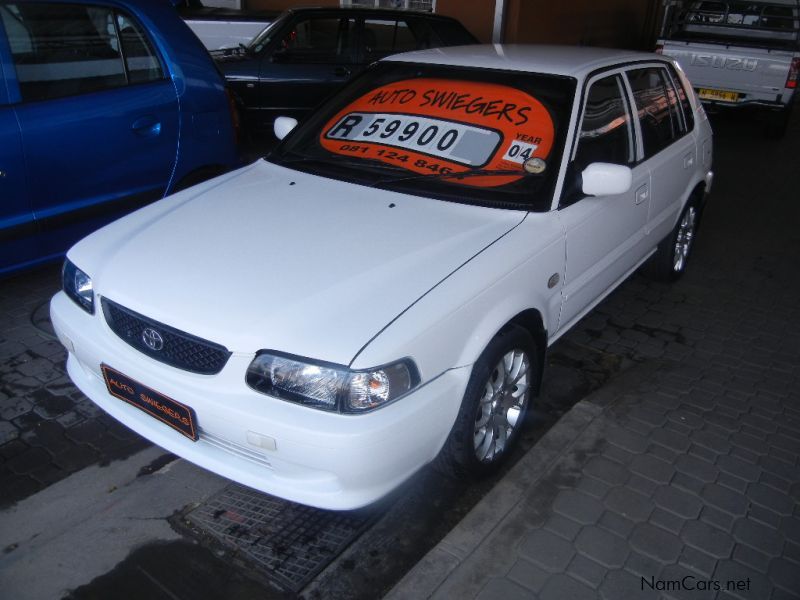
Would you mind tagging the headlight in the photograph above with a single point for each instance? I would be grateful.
(78, 286)
(331, 387)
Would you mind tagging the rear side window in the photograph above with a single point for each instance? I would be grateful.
(64, 49)
(657, 108)
(140, 60)
(382, 37)
(683, 99)
(606, 134)
(440, 32)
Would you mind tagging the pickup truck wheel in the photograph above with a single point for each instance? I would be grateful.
(494, 406)
(670, 260)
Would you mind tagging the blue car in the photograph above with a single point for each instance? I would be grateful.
(105, 105)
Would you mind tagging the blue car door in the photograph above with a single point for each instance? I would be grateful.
(17, 228)
(98, 115)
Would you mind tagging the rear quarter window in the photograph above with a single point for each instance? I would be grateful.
(450, 33)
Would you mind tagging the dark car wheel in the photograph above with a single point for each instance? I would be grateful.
(494, 406)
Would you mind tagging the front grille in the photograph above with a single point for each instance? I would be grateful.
(178, 349)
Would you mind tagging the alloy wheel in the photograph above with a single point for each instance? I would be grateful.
(502, 405)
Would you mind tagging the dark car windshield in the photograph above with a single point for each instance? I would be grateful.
(258, 43)
(464, 134)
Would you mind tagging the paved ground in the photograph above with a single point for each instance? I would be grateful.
(48, 429)
(680, 479)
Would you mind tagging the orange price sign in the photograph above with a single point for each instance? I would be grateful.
(442, 126)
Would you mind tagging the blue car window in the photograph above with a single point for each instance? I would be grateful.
(140, 60)
(62, 49)
(67, 49)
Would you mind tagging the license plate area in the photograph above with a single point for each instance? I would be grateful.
(170, 412)
(724, 95)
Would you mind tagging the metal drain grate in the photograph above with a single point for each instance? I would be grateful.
(290, 542)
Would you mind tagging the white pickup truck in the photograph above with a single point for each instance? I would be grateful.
(737, 53)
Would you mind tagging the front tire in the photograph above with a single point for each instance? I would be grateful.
(494, 406)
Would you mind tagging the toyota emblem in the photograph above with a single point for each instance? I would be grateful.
(152, 339)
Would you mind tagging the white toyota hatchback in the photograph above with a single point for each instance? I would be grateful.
(380, 291)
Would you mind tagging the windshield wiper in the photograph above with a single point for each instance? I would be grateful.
(361, 163)
(460, 175)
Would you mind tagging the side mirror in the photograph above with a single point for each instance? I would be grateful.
(606, 179)
(283, 125)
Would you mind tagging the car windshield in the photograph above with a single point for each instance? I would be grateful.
(469, 135)
(258, 43)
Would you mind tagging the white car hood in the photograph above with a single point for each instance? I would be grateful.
(271, 258)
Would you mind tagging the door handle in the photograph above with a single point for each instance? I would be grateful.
(642, 194)
(147, 126)
(688, 161)
(341, 72)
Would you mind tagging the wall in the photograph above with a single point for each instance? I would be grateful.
(476, 15)
(612, 23)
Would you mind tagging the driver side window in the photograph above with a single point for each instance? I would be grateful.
(606, 134)
(319, 40)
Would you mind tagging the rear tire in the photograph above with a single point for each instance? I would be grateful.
(494, 406)
(670, 260)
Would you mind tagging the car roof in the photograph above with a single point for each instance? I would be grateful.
(367, 10)
(573, 61)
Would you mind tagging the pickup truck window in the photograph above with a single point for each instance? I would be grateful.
(606, 134)
(657, 106)
(67, 49)
(755, 23)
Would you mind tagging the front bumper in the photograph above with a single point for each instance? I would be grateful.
(302, 454)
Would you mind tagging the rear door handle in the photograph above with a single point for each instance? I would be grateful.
(147, 126)
(688, 161)
(341, 72)
(642, 194)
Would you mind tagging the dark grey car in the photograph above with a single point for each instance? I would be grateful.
(307, 54)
